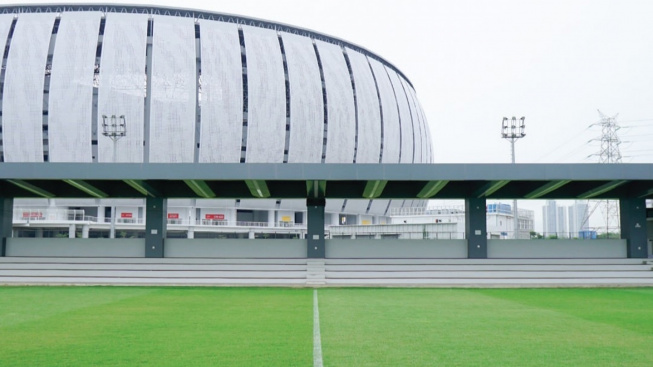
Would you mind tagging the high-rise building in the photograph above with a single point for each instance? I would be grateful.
(578, 217)
(561, 222)
(549, 215)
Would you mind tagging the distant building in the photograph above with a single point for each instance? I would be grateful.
(578, 218)
(440, 223)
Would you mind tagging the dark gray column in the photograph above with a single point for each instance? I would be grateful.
(156, 218)
(476, 228)
(315, 229)
(633, 226)
(6, 220)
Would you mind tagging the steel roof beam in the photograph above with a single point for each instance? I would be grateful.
(87, 188)
(432, 188)
(546, 188)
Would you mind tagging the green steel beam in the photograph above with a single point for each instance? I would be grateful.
(87, 188)
(546, 188)
(258, 188)
(316, 188)
(432, 188)
(31, 188)
(491, 188)
(200, 188)
(602, 189)
(143, 187)
(373, 189)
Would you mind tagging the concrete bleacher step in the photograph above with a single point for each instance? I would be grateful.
(327, 272)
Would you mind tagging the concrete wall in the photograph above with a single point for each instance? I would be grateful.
(543, 249)
(72, 247)
(381, 249)
(234, 248)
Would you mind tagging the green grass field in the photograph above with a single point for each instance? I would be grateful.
(164, 326)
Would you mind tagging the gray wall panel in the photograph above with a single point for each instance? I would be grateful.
(391, 132)
(267, 96)
(174, 85)
(306, 105)
(122, 84)
(71, 88)
(396, 249)
(369, 116)
(235, 248)
(407, 140)
(555, 249)
(222, 93)
(22, 115)
(341, 112)
(82, 247)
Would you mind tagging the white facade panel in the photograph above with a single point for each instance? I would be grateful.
(356, 206)
(341, 112)
(174, 86)
(391, 132)
(222, 93)
(293, 204)
(378, 207)
(22, 115)
(266, 87)
(407, 139)
(424, 136)
(306, 102)
(417, 122)
(71, 88)
(428, 143)
(333, 205)
(122, 84)
(260, 204)
(369, 116)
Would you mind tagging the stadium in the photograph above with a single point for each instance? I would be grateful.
(179, 86)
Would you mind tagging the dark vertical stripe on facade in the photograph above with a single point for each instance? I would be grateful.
(353, 88)
(378, 96)
(286, 146)
(148, 91)
(324, 103)
(394, 92)
(412, 123)
(96, 90)
(243, 58)
(46, 90)
(5, 55)
(198, 94)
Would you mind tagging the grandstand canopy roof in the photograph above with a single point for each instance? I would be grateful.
(349, 181)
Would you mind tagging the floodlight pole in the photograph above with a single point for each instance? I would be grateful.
(114, 129)
(512, 131)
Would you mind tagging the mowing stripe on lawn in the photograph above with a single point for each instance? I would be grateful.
(317, 340)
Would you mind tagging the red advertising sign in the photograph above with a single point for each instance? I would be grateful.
(126, 215)
(214, 216)
(32, 215)
(173, 215)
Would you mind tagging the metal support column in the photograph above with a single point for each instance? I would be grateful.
(315, 228)
(633, 226)
(476, 228)
(156, 218)
(6, 221)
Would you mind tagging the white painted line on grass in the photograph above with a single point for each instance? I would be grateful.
(317, 339)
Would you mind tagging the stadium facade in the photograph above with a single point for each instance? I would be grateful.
(183, 86)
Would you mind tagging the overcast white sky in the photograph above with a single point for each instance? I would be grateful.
(473, 62)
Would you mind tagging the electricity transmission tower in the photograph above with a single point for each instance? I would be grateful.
(609, 153)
